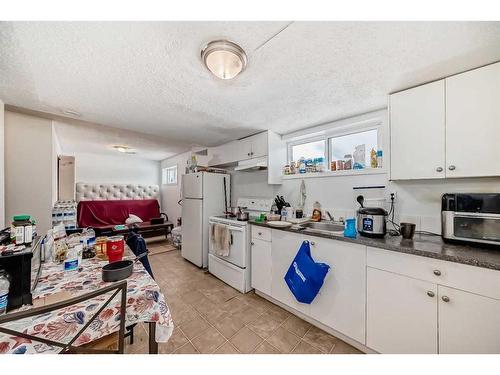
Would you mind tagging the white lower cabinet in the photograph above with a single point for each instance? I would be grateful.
(401, 313)
(261, 265)
(468, 323)
(284, 248)
(341, 302)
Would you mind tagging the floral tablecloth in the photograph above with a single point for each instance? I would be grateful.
(145, 303)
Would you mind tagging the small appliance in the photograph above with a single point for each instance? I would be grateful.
(471, 217)
(23, 268)
(371, 221)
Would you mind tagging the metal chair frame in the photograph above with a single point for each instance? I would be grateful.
(69, 348)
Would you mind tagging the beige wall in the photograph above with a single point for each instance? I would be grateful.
(30, 178)
(2, 168)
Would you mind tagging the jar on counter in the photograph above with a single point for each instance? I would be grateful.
(333, 165)
(348, 161)
(21, 230)
(286, 170)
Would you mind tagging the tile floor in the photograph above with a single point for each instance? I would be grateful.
(211, 317)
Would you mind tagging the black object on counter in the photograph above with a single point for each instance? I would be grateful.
(407, 230)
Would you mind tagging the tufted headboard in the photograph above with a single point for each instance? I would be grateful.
(100, 192)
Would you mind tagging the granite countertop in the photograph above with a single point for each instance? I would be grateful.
(430, 246)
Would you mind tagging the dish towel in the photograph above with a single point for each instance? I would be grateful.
(221, 239)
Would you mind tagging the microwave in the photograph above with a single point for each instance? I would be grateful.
(23, 270)
(471, 217)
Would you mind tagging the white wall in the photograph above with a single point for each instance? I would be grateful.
(120, 169)
(29, 168)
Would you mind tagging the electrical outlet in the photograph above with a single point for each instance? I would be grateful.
(389, 195)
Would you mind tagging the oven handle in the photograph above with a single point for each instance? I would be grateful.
(231, 228)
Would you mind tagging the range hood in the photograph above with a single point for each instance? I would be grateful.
(252, 164)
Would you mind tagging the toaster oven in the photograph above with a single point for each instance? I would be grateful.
(23, 270)
(471, 217)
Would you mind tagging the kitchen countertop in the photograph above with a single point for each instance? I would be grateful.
(429, 246)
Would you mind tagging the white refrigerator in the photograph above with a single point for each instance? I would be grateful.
(203, 195)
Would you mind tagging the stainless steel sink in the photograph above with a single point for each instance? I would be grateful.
(324, 226)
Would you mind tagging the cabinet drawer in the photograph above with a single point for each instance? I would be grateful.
(261, 233)
(478, 280)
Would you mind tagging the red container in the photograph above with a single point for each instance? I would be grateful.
(115, 248)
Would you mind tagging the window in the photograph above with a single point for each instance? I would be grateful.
(169, 175)
(309, 150)
(346, 145)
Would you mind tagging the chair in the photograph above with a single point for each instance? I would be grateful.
(69, 348)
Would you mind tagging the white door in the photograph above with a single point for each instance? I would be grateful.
(192, 231)
(417, 130)
(238, 244)
(341, 301)
(284, 248)
(473, 123)
(468, 323)
(261, 265)
(258, 145)
(192, 185)
(401, 314)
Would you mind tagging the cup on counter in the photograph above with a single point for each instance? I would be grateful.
(289, 212)
(407, 230)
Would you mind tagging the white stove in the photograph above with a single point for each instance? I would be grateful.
(234, 269)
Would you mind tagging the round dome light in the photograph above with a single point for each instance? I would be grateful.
(224, 59)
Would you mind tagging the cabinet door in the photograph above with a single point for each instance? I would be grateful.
(259, 145)
(473, 123)
(401, 313)
(284, 248)
(244, 149)
(417, 123)
(468, 323)
(341, 301)
(224, 154)
(261, 265)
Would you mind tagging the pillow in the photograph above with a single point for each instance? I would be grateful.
(132, 219)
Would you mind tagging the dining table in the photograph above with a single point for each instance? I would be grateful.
(145, 303)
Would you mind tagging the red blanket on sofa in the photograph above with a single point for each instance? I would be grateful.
(101, 214)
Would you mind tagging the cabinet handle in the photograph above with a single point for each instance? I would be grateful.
(439, 169)
(248, 154)
(252, 243)
(437, 272)
(445, 298)
(451, 167)
(312, 243)
(430, 293)
(260, 233)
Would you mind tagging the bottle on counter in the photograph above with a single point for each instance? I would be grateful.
(4, 292)
(379, 158)
(302, 165)
(373, 158)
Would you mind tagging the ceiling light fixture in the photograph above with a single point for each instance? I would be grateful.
(224, 59)
(71, 112)
(124, 149)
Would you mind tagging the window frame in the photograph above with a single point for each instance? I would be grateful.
(335, 132)
(164, 175)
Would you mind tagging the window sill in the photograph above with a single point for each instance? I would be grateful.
(350, 172)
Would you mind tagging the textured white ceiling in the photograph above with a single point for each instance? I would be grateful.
(148, 77)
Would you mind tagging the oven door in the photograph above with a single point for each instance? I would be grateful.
(237, 250)
(474, 227)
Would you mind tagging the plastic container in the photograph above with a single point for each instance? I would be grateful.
(21, 230)
(71, 261)
(4, 292)
(115, 248)
(348, 161)
(379, 159)
(350, 228)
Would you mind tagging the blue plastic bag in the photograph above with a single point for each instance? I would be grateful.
(305, 277)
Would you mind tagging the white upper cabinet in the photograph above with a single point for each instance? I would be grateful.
(448, 128)
(473, 123)
(258, 145)
(417, 118)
